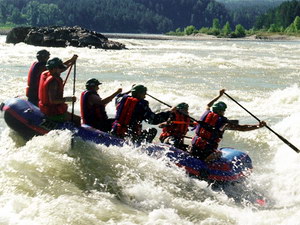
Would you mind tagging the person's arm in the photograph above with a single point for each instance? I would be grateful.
(154, 118)
(70, 62)
(210, 104)
(232, 126)
(111, 97)
(96, 100)
(168, 122)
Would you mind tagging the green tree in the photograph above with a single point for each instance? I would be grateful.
(189, 30)
(226, 29)
(32, 12)
(240, 31)
(297, 23)
(274, 28)
(216, 24)
(16, 17)
(49, 14)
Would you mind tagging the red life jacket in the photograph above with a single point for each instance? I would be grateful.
(33, 80)
(46, 107)
(91, 115)
(205, 136)
(29, 81)
(176, 129)
(124, 115)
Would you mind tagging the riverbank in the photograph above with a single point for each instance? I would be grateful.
(199, 36)
(4, 31)
(203, 37)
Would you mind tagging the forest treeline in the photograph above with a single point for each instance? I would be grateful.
(137, 16)
(148, 16)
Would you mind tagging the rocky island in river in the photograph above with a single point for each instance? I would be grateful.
(57, 36)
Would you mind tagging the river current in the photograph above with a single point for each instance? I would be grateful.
(44, 181)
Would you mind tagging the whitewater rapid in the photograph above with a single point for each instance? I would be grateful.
(44, 181)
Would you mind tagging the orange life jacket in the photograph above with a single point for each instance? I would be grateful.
(176, 129)
(124, 115)
(45, 105)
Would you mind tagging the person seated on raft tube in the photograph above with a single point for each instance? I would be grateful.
(131, 112)
(210, 130)
(34, 74)
(92, 106)
(51, 90)
(176, 127)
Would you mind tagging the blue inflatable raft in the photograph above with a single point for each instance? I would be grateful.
(27, 120)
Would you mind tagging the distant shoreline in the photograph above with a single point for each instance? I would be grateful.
(202, 37)
(4, 31)
(199, 36)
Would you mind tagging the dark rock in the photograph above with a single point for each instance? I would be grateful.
(61, 37)
(17, 34)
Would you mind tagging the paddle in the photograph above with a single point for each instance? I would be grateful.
(74, 81)
(279, 136)
(171, 107)
(73, 103)
(67, 75)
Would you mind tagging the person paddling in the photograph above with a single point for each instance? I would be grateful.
(131, 112)
(175, 129)
(92, 106)
(209, 131)
(51, 90)
(34, 75)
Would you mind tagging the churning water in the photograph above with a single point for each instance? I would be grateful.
(44, 181)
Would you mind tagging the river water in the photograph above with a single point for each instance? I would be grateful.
(44, 181)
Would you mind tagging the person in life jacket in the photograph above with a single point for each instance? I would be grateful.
(176, 127)
(51, 90)
(34, 75)
(209, 131)
(131, 112)
(92, 106)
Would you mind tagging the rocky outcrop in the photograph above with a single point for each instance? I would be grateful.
(61, 37)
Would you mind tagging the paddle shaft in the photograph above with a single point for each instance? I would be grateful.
(74, 82)
(67, 75)
(171, 107)
(279, 136)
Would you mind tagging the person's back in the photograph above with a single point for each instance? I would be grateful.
(131, 112)
(210, 131)
(36, 69)
(92, 106)
(175, 129)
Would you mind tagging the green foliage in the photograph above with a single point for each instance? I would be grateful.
(189, 30)
(274, 28)
(204, 30)
(148, 16)
(177, 32)
(226, 29)
(216, 24)
(296, 23)
(239, 31)
(282, 16)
